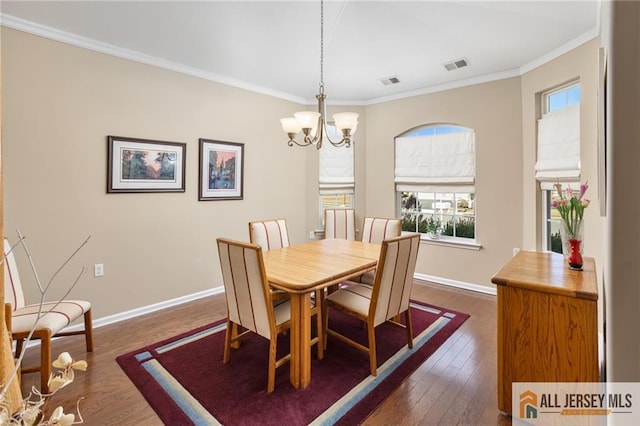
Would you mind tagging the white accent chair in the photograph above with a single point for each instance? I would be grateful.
(389, 297)
(22, 317)
(250, 304)
(340, 224)
(375, 230)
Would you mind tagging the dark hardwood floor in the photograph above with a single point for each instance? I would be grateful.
(455, 386)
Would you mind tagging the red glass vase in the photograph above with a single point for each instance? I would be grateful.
(572, 244)
(575, 257)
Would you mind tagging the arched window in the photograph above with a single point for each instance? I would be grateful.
(435, 171)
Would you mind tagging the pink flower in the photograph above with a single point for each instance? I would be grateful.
(585, 203)
(569, 192)
(583, 189)
(554, 204)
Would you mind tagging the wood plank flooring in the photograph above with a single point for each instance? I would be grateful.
(455, 386)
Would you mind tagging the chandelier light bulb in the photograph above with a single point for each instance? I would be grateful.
(346, 121)
(290, 125)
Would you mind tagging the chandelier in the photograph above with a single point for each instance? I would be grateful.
(313, 124)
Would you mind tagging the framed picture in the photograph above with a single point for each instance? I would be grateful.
(141, 165)
(221, 170)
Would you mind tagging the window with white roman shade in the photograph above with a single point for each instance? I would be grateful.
(435, 176)
(336, 166)
(336, 175)
(436, 162)
(559, 146)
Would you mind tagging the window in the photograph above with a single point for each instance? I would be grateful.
(336, 180)
(435, 180)
(558, 155)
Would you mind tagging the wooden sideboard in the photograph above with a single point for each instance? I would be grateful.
(547, 322)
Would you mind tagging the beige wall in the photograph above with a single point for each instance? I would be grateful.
(493, 111)
(60, 103)
(579, 64)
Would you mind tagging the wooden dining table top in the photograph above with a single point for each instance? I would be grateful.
(319, 263)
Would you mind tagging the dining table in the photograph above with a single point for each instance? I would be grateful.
(303, 268)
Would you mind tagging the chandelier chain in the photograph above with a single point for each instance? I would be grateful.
(321, 46)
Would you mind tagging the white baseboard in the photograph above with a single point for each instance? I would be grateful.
(111, 319)
(458, 284)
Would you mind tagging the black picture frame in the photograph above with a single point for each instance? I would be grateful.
(220, 170)
(144, 165)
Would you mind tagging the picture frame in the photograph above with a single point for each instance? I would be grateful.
(221, 170)
(144, 165)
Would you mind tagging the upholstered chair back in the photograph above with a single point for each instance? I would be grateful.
(377, 229)
(245, 286)
(269, 234)
(340, 223)
(394, 277)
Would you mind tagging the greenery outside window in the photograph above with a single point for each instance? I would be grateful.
(452, 212)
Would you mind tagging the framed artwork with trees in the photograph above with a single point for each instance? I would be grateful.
(143, 165)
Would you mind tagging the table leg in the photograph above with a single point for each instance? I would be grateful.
(294, 362)
(305, 340)
(300, 364)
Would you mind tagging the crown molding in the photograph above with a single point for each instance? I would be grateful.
(86, 43)
(132, 55)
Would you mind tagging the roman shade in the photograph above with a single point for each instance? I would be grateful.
(559, 146)
(336, 166)
(435, 163)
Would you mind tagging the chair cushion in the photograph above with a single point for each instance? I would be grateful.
(367, 277)
(356, 298)
(66, 312)
(282, 312)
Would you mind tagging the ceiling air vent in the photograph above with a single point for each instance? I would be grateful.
(458, 63)
(390, 80)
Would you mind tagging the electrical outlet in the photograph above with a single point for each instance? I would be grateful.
(516, 251)
(312, 235)
(98, 270)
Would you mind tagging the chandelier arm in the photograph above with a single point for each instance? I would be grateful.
(304, 143)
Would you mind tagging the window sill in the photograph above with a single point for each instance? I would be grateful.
(451, 242)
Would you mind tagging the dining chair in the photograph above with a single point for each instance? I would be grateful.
(250, 305)
(22, 317)
(269, 234)
(340, 223)
(375, 230)
(388, 298)
(273, 234)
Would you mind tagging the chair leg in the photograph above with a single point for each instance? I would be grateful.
(19, 344)
(88, 330)
(409, 328)
(373, 362)
(227, 341)
(45, 360)
(271, 381)
(320, 322)
(234, 333)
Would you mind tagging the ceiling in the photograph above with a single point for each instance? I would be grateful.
(273, 47)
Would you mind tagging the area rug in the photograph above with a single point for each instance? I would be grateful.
(185, 381)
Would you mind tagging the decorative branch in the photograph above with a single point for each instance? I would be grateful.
(30, 412)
